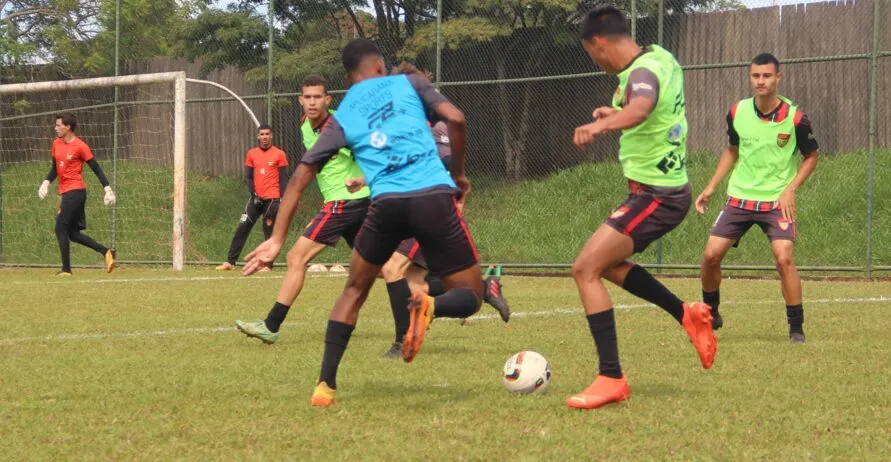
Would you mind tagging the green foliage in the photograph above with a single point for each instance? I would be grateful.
(78, 36)
(456, 33)
(225, 38)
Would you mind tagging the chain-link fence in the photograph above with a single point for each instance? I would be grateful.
(518, 72)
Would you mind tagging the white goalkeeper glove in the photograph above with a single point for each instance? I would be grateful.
(43, 190)
(110, 199)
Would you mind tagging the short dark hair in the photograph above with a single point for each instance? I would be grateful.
(604, 21)
(264, 127)
(357, 50)
(69, 120)
(405, 67)
(314, 80)
(766, 58)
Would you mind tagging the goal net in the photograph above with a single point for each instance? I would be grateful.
(136, 127)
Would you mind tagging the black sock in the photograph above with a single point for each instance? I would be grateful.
(434, 286)
(641, 283)
(712, 299)
(276, 316)
(336, 339)
(795, 316)
(64, 247)
(603, 329)
(456, 303)
(399, 294)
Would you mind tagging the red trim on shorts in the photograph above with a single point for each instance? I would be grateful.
(464, 227)
(327, 209)
(340, 207)
(634, 187)
(752, 206)
(654, 204)
(414, 250)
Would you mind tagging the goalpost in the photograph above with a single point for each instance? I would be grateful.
(27, 112)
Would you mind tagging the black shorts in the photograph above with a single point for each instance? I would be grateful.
(71, 209)
(433, 219)
(337, 219)
(412, 250)
(650, 212)
(733, 222)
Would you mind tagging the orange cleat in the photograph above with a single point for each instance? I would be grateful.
(698, 324)
(420, 308)
(603, 391)
(323, 395)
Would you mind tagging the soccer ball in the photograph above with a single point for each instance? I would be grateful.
(527, 372)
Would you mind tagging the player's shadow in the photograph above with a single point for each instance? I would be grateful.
(740, 339)
(415, 395)
(657, 390)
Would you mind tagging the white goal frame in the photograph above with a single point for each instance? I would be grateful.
(179, 80)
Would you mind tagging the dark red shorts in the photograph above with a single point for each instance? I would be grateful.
(650, 212)
(337, 219)
(433, 219)
(733, 223)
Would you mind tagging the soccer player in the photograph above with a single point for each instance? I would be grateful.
(266, 172)
(406, 270)
(764, 132)
(384, 121)
(648, 109)
(341, 215)
(70, 154)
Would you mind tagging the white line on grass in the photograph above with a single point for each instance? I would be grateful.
(484, 317)
(173, 279)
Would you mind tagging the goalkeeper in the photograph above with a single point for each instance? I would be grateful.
(70, 154)
(266, 172)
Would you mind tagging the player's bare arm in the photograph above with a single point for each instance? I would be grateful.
(603, 112)
(355, 184)
(457, 125)
(632, 115)
(786, 200)
(725, 165)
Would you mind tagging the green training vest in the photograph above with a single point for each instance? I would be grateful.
(338, 169)
(655, 152)
(767, 161)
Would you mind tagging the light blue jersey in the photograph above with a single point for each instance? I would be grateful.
(385, 125)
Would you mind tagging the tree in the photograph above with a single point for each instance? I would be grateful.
(77, 37)
(526, 34)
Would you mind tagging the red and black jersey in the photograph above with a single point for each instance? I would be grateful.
(70, 158)
(266, 164)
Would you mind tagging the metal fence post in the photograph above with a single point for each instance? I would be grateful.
(438, 42)
(271, 19)
(871, 162)
(116, 129)
(659, 40)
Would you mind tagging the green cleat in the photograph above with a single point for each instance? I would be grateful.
(257, 329)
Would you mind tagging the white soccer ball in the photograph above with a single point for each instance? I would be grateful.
(527, 372)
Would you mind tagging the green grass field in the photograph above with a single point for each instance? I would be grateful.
(533, 221)
(145, 364)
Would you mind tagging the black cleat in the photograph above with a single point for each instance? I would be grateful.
(717, 321)
(395, 351)
(492, 295)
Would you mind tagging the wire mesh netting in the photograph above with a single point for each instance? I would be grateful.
(518, 72)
